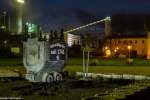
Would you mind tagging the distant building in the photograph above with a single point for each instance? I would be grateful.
(10, 45)
(73, 39)
(148, 46)
(118, 45)
(12, 23)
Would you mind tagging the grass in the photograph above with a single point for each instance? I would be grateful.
(111, 62)
(136, 70)
(117, 66)
(78, 61)
(11, 62)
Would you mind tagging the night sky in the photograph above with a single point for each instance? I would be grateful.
(55, 14)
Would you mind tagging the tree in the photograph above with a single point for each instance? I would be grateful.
(62, 35)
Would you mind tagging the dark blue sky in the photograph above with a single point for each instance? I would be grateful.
(70, 13)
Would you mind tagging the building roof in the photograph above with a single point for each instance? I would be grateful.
(128, 36)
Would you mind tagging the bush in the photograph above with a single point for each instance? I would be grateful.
(129, 61)
(72, 75)
(94, 62)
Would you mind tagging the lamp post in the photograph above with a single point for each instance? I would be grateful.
(129, 48)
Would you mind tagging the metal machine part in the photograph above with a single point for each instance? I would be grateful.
(43, 61)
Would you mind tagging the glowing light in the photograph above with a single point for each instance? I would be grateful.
(72, 38)
(117, 48)
(21, 1)
(32, 28)
(108, 18)
(106, 48)
(15, 50)
(108, 53)
(3, 27)
(5, 42)
(129, 47)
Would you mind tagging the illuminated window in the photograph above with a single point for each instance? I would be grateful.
(15, 50)
(72, 39)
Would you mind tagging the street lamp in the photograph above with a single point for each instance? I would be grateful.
(108, 53)
(21, 1)
(129, 48)
(116, 49)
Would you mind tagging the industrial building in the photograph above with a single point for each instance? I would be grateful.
(10, 23)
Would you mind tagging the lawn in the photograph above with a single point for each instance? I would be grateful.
(110, 62)
(11, 62)
(78, 61)
(117, 66)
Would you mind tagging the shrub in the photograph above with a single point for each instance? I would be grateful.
(94, 62)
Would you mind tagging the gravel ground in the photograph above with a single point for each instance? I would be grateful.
(142, 95)
(69, 90)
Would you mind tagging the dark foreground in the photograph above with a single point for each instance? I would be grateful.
(142, 95)
(68, 90)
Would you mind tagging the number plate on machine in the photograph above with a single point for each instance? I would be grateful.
(57, 52)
